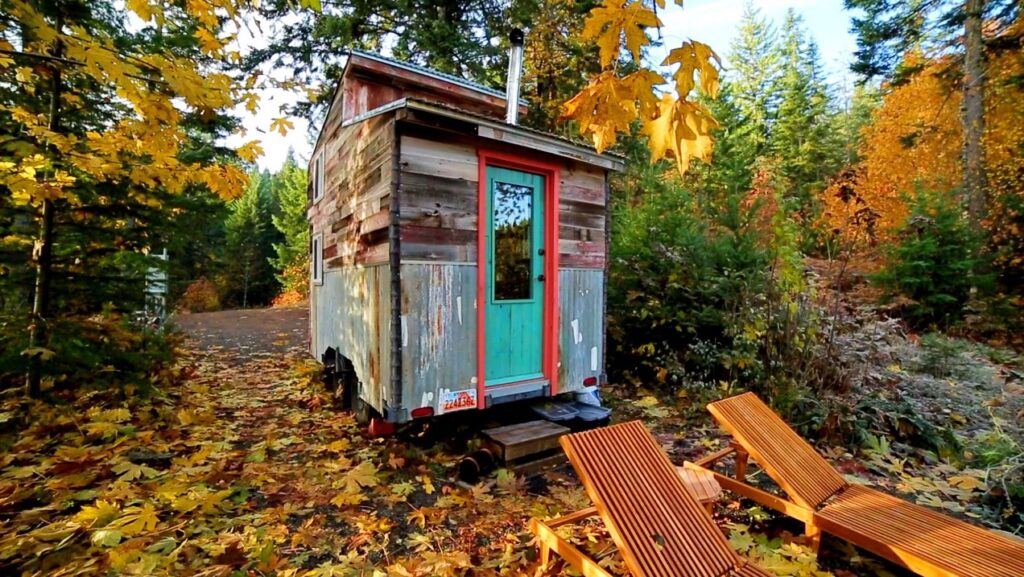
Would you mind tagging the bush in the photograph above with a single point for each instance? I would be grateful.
(935, 263)
(200, 296)
(707, 289)
(102, 351)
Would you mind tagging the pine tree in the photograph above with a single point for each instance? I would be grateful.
(803, 138)
(249, 275)
(292, 252)
(754, 70)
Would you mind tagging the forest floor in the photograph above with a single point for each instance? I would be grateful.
(248, 469)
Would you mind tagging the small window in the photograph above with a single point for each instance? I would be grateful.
(318, 177)
(316, 261)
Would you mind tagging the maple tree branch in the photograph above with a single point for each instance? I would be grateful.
(70, 62)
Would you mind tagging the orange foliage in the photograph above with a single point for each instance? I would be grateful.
(916, 139)
(200, 296)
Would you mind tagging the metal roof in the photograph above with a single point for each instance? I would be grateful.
(429, 72)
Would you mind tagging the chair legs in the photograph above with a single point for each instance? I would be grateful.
(813, 533)
(741, 462)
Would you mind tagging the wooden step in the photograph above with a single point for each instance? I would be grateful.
(514, 442)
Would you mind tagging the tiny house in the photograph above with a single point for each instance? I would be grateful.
(458, 260)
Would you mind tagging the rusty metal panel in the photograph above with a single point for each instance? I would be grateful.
(438, 333)
(352, 313)
(581, 327)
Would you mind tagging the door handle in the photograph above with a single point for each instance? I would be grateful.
(540, 278)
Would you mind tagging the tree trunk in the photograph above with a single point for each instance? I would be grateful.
(44, 256)
(975, 187)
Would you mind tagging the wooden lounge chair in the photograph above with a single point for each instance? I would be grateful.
(926, 542)
(656, 522)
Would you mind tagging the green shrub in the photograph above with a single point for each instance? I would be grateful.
(707, 288)
(101, 351)
(935, 263)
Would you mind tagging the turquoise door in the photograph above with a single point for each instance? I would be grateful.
(514, 314)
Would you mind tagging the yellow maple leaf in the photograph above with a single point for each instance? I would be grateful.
(137, 519)
(281, 125)
(250, 151)
(694, 57)
(607, 24)
(968, 483)
(98, 514)
(428, 485)
(362, 475)
(682, 128)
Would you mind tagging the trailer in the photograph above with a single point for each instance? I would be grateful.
(458, 260)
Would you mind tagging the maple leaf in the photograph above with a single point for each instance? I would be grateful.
(107, 537)
(967, 482)
(694, 57)
(362, 475)
(609, 105)
(682, 128)
(607, 24)
(129, 471)
(417, 517)
(137, 520)
(428, 485)
(403, 489)
(346, 499)
(98, 514)
(281, 125)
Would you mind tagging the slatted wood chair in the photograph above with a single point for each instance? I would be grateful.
(654, 519)
(927, 542)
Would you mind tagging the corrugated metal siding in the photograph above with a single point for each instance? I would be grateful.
(353, 312)
(439, 332)
(581, 322)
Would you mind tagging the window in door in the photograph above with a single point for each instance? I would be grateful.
(513, 223)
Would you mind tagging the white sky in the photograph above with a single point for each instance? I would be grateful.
(713, 22)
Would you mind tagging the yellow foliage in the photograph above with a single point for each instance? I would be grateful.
(141, 150)
(916, 139)
(675, 126)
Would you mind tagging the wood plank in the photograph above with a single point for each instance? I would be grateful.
(534, 466)
(522, 439)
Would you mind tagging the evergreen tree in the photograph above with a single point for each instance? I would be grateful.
(292, 252)
(803, 138)
(249, 277)
(464, 38)
(754, 70)
(857, 114)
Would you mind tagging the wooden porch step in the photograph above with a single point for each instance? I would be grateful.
(516, 442)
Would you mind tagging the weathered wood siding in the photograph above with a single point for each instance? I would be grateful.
(352, 313)
(438, 332)
(439, 203)
(353, 213)
(581, 327)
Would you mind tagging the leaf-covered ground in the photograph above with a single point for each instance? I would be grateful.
(248, 470)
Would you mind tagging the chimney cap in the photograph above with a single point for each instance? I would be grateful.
(516, 36)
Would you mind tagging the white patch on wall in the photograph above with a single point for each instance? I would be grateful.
(405, 332)
(577, 336)
(427, 400)
(458, 305)
(593, 358)
(473, 380)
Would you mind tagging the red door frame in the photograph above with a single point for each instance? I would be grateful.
(551, 174)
